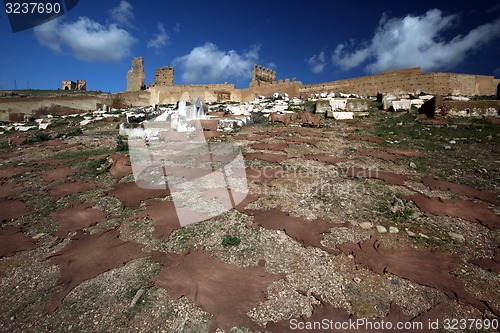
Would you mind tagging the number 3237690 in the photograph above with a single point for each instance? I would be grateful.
(32, 8)
(480, 324)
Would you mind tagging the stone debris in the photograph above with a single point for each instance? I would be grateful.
(340, 115)
(402, 104)
(86, 256)
(457, 237)
(366, 225)
(136, 298)
(393, 230)
(338, 104)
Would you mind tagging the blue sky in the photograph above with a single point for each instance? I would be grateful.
(219, 41)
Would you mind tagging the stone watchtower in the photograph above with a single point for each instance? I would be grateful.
(136, 75)
(261, 74)
(164, 76)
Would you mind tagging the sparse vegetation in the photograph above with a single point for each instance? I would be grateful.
(229, 241)
(75, 131)
(312, 190)
(39, 136)
(121, 143)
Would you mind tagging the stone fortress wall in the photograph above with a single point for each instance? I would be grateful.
(411, 80)
(165, 91)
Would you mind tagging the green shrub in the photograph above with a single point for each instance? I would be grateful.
(76, 131)
(38, 137)
(121, 143)
(229, 240)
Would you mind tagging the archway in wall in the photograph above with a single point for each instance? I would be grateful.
(66, 88)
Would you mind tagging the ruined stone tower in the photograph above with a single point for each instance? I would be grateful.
(164, 76)
(136, 76)
(261, 74)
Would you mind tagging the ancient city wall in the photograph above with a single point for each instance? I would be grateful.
(408, 81)
(292, 88)
(15, 108)
(208, 93)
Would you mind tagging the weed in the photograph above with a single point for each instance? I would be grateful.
(76, 131)
(401, 216)
(37, 137)
(81, 154)
(95, 166)
(4, 146)
(229, 240)
(121, 143)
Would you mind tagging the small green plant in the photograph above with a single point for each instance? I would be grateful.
(38, 137)
(229, 240)
(121, 143)
(95, 166)
(401, 215)
(70, 133)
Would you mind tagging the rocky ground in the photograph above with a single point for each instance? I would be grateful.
(387, 218)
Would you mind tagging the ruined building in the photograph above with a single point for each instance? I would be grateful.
(72, 85)
(136, 75)
(164, 76)
(263, 75)
(164, 91)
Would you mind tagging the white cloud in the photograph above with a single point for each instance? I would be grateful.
(415, 41)
(161, 38)
(88, 40)
(209, 64)
(122, 14)
(317, 63)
